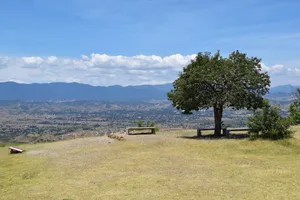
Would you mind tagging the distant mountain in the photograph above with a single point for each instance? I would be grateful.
(76, 91)
(282, 93)
(290, 89)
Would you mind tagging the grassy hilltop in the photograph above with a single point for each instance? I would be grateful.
(162, 166)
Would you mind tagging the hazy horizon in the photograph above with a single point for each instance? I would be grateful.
(118, 85)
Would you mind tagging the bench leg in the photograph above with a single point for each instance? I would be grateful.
(198, 132)
(227, 133)
(224, 131)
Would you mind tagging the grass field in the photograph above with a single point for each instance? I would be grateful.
(162, 166)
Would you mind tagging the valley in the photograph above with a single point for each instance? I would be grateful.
(51, 121)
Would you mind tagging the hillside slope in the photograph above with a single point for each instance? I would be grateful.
(76, 91)
(164, 166)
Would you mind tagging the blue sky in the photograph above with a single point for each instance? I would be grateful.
(108, 42)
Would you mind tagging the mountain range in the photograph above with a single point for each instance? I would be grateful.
(77, 91)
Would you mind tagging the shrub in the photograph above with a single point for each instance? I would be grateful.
(267, 123)
(140, 123)
(294, 113)
(294, 109)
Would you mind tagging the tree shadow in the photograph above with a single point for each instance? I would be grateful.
(212, 137)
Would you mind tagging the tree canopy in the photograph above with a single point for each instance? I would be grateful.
(214, 81)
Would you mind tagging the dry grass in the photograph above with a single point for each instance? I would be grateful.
(162, 166)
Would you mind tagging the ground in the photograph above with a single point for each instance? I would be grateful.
(169, 165)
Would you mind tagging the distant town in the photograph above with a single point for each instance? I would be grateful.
(32, 118)
(51, 121)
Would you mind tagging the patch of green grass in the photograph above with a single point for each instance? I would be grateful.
(162, 166)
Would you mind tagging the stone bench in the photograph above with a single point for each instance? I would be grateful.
(129, 129)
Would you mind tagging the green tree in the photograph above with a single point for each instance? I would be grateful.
(297, 95)
(294, 110)
(150, 124)
(214, 81)
(139, 122)
(267, 123)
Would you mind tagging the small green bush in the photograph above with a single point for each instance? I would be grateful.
(140, 123)
(267, 123)
(294, 113)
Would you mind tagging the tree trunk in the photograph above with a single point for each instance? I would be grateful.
(218, 112)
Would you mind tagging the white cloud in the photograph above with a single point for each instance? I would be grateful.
(275, 69)
(52, 59)
(281, 74)
(4, 61)
(32, 62)
(102, 69)
(281, 70)
(95, 69)
(139, 61)
(294, 71)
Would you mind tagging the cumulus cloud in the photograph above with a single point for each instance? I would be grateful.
(136, 62)
(275, 69)
(295, 71)
(94, 69)
(31, 62)
(102, 69)
(282, 74)
(281, 70)
(4, 61)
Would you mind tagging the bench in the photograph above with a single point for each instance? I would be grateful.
(15, 150)
(225, 131)
(199, 131)
(129, 129)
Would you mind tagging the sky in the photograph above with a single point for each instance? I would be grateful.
(134, 42)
